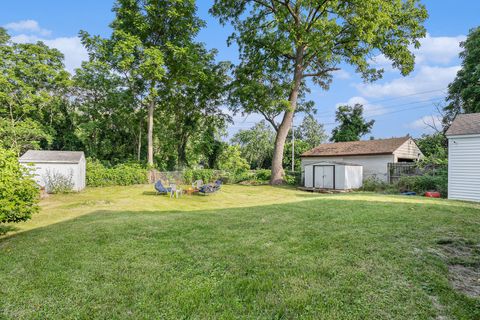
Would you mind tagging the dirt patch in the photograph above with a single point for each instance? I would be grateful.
(463, 258)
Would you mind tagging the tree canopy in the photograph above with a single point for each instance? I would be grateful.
(288, 42)
(352, 125)
(464, 91)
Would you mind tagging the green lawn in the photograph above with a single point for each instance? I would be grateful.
(246, 252)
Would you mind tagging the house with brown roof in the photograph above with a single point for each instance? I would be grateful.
(464, 157)
(373, 155)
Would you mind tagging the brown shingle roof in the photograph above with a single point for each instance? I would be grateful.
(465, 124)
(353, 148)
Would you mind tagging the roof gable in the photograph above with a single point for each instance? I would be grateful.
(52, 156)
(464, 124)
(352, 148)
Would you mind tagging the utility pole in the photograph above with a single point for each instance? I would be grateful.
(293, 147)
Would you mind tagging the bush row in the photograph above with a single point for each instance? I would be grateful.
(419, 184)
(99, 175)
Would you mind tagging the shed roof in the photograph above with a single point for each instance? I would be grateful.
(353, 148)
(464, 124)
(52, 156)
(335, 163)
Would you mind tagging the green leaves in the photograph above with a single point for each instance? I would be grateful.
(18, 192)
(352, 124)
(464, 91)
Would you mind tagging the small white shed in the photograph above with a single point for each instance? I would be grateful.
(333, 175)
(464, 157)
(67, 163)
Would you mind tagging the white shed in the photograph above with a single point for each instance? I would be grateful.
(67, 163)
(333, 175)
(464, 157)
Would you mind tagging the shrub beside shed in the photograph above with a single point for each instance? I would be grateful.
(43, 164)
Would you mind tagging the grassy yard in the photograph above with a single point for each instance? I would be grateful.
(246, 252)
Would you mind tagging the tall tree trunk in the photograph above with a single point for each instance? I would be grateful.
(282, 132)
(151, 107)
(139, 149)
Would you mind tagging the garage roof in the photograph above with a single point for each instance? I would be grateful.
(52, 156)
(352, 148)
(464, 124)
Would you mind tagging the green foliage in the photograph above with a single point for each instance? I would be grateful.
(435, 149)
(231, 160)
(18, 191)
(256, 144)
(99, 175)
(33, 92)
(427, 182)
(206, 175)
(352, 124)
(464, 91)
(299, 148)
(56, 182)
(311, 131)
(263, 175)
(374, 184)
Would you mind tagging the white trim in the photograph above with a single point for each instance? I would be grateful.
(457, 136)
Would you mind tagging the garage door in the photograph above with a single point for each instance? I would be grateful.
(323, 177)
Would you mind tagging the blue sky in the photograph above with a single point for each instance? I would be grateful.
(400, 105)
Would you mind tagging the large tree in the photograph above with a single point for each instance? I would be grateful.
(464, 91)
(33, 90)
(352, 125)
(150, 44)
(309, 39)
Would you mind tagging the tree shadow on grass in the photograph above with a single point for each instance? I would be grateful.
(5, 229)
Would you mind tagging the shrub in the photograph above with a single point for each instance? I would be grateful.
(120, 175)
(19, 193)
(374, 184)
(206, 175)
(232, 161)
(263, 174)
(56, 182)
(421, 184)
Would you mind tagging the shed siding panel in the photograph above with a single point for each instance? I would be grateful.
(407, 150)
(463, 168)
(373, 166)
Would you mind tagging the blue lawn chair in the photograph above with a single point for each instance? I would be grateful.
(210, 188)
(161, 189)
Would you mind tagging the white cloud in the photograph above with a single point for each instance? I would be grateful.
(433, 51)
(342, 74)
(71, 47)
(432, 79)
(438, 50)
(369, 109)
(31, 26)
(427, 123)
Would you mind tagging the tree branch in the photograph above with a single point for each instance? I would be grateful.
(321, 73)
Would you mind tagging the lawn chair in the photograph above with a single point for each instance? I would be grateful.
(197, 184)
(161, 189)
(210, 188)
(174, 191)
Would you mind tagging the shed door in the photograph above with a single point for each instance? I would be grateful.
(323, 177)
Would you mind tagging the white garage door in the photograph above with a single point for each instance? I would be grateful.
(323, 177)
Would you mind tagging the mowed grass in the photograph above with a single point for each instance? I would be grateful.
(246, 252)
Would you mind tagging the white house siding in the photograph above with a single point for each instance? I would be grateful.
(464, 167)
(373, 165)
(408, 150)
